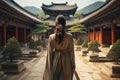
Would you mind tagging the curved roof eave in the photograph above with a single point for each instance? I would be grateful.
(99, 12)
(60, 9)
(19, 9)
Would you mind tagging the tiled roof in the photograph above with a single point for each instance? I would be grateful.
(59, 7)
(20, 10)
(101, 12)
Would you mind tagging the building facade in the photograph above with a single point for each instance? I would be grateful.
(104, 24)
(59, 8)
(15, 21)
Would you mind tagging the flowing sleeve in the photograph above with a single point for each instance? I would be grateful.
(49, 53)
(48, 68)
(72, 52)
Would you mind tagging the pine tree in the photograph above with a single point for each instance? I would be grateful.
(85, 44)
(12, 50)
(93, 46)
(114, 52)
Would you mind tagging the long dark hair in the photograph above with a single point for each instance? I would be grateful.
(60, 20)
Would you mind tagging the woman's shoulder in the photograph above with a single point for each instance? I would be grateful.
(52, 36)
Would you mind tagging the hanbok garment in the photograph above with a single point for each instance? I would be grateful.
(60, 61)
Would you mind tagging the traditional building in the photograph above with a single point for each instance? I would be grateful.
(54, 9)
(104, 24)
(59, 8)
(15, 21)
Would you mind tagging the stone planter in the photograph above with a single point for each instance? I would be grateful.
(94, 58)
(116, 71)
(33, 54)
(84, 53)
(78, 48)
(16, 66)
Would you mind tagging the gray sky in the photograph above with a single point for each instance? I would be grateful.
(38, 3)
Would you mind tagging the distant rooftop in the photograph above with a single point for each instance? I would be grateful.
(59, 8)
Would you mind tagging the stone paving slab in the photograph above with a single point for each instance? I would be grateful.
(86, 70)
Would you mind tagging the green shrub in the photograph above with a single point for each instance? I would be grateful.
(79, 42)
(32, 45)
(93, 46)
(85, 44)
(114, 52)
(12, 50)
(39, 42)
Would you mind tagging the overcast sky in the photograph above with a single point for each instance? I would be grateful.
(38, 3)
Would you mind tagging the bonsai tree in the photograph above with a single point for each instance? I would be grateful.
(39, 44)
(85, 44)
(79, 41)
(78, 15)
(93, 46)
(12, 50)
(85, 50)
(41, 30)
(114, 52)
(32, 45)
(78, 29)
(42, 16)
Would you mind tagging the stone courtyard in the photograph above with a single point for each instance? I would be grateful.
(86, 70)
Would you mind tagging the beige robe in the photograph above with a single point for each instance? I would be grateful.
(60, 60)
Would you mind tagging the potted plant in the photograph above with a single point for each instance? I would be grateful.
(93, 46)
(39, 44)
(78, 42)
(2, 75)
(33, 46)
(114, 53)
(12, 53)
(84, 48)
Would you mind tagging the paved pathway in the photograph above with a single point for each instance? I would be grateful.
(86, 70)
(34, 69)
(92, 70)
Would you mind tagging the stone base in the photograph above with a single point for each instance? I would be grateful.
(94, 58)
(115, 75)
(33, 54)
(3, 76)
(84, 53)
(78, 48)
(105, 59)
(16, 66)
(116, 71)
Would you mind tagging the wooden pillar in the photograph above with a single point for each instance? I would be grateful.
(88, 35)
(113, 33)
(24, 35)
(101, 35)
(16, 32)
(93, 33)
(4, 34)
(30, 37)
